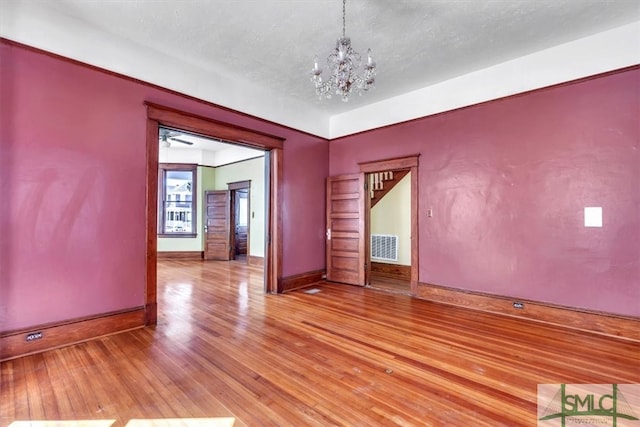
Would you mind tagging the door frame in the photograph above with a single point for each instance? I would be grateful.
(411, 163)
(159, 115)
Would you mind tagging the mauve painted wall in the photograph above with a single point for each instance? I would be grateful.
(508, 182)
(72, 159)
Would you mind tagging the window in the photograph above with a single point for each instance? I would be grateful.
(177, 198)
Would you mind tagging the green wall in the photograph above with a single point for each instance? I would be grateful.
(216, 178)
(248, 170)
(392, 215)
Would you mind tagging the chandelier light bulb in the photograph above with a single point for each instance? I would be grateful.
(316, 70)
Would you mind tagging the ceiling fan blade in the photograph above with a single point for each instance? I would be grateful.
(181, 141)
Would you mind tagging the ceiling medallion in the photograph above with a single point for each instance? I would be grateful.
(343, 64)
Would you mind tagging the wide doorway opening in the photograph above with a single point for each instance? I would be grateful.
(190, 158)
(211, 198)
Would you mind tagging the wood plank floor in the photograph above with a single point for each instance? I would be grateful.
(225, 352)
(381, 282)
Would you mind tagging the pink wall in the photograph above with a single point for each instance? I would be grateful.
(72, 176)
(508, 181)
(305, 171)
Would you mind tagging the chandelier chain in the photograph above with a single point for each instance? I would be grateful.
(344, 14)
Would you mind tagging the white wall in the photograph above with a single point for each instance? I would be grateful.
(36, 24)
(181, 155)
(606, 51)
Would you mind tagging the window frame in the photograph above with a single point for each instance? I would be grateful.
(163, 168)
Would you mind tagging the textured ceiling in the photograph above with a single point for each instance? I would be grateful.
(416, 43)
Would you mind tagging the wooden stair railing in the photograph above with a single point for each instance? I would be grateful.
(380, 183)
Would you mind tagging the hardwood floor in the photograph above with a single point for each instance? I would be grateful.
(389, 284)
(225, 352)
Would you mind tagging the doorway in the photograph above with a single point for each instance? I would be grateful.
(227, 224)
(409, 164)
(348, 245)
(388, 219)
(240, 222)
(240, 193)
(160, 116)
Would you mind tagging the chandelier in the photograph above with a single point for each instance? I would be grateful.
(343, 64)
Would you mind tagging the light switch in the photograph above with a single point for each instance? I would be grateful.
(593, 217)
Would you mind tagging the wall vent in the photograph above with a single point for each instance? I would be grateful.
(384, 247)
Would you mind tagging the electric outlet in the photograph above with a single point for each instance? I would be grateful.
(33, 336)
(518, 305)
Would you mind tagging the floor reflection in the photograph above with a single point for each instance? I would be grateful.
(177, 306)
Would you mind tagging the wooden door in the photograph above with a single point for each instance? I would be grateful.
(346, 229)
(241, 220)
(217, 245)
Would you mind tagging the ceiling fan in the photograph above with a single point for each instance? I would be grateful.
(167, 136)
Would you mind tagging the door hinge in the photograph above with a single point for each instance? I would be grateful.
(328, 234)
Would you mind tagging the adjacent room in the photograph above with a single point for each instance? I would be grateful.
(320, 212)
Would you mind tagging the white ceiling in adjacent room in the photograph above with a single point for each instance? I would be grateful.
(184, 147)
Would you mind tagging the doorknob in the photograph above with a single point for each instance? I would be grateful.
(205, 228)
